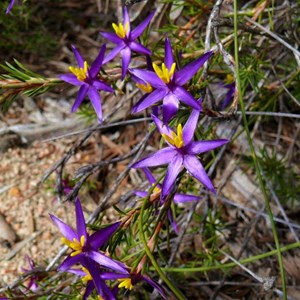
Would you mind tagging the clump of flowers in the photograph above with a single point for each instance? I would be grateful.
(85, 249)
(165, 88)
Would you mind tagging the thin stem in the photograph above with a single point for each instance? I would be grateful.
(142, 234)
(233, 264)
(256, 163)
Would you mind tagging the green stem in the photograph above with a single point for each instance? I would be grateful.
(232, 264)
(142, 234)
(256, 163)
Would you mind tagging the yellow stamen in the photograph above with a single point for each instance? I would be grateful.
(100, 298)
(175, 139)
(74, 245)
(155, 194)
(120, 30)
(80, 73)
(88, 275)
(229, 78)
(126, 283)
(164, 73)
(146, 88)
(156, 190)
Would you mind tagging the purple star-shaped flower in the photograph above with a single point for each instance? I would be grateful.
(84, 246)
(87, 78)
(11, 4)
(167, 84)
(182, 151)
(125, 38)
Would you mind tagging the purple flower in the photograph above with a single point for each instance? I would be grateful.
(85, 247)
(229, 94)
(11, 4)
(125, 38)
(33, 278)
(167, 83)
(87, 78)
(182, 152)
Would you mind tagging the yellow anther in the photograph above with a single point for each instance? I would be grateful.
(229, 78)
(164, 73)
(175, 139)
(120, 30)
(74, 245)
(156, 190)
(80, 73)
(126, 283)
(146, 88)
(88, 275)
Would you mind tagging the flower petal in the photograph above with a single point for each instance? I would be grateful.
(96, 65)
(112, 37)
(182, 198)
(172, 220)
(70, 78)
(101, 86)
(107, 262)
(171, 175)
(137, 31)
(186, 97)
(102, 289)
(204, 146)
(140, 194)
(70, 261)
(194, 166)
(96, 102)
(113, 53)
(149, 100)
(78, 57)
(229, 94)
(139, 48)
(126, 56)
(100, 237)
(155, 285)
(80, 96)
(149, 176)
(162, 127)
(80, 222)
(126, 19)
(149, 77)
(90, 286)
(161, 157)
(187, 72)
(190, 127)
(67, 231)
(10, 6)
(113, 276)
(170, 107)
(169, 59)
